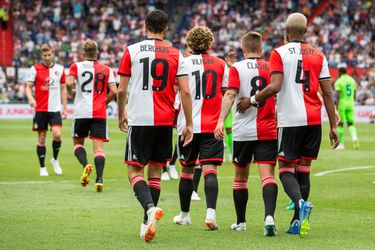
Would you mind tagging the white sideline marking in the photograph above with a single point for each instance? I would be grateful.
(77, 181)
(342, 170)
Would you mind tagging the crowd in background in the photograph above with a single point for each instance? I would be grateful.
(344, 32)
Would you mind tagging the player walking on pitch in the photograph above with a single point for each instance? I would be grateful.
(48, 78)
(207, 77)
(93, 80)
(297, 71)
(345, 88)
(150, 69)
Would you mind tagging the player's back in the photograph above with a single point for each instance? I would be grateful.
(347, 86)
(303, 66)
(153, 66)
(207, 77)
(250, 76)
(91, 88)
(47, 82)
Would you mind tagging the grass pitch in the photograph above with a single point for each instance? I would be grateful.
(55, 212)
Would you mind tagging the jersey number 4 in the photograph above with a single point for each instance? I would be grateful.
(306, 81)
(162, 75)
(98, 82)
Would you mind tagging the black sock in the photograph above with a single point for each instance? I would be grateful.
(154, 185)
(197, 178)
(80, 153)
(211, 188)
(240, 198)
(185, 189)
(142, 192)
(56, 148)
(174, 157)
(41, 152)
(304, 184)
(99, 166)
(291, 187)
(164, 169)
(269, 198)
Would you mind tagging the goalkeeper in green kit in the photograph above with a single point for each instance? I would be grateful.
(345, 87)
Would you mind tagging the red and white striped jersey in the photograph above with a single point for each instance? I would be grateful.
(249, 77)
(153, 66)
(92, 79)
(208, 75)
(47, 82)
(303, 66)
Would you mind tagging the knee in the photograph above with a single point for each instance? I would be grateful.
(41, 141)
(241, 176)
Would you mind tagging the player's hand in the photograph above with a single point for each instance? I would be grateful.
(32, 103)
(219, 130)
(232, 58)
(337, 117)
(64, 113)
(123, 123)
(243, 104)
(187, 135)
(334, 138)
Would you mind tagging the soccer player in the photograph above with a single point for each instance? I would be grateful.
(297, 70)
(345, 88)
(207, 76)
(93, 80)
(150, 69)
(254, 131)
(48, 78)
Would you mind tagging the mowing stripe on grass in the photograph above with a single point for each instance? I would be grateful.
(342, 170)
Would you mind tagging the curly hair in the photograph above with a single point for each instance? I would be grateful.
(199, 38)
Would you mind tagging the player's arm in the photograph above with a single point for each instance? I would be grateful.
(183, 85)
(330, 108)
(112, 92)
(226, 106)
(64, 100)
(70, 79)
(29, 94)
(121, 103)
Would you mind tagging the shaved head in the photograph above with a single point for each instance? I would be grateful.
(296, 23)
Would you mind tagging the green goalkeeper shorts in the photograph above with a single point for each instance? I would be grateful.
(228, 120)
(347, 114)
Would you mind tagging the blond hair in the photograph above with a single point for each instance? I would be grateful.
(90, 48)
(199, 38)
(297, 23)
(252, 42)
(45, 48)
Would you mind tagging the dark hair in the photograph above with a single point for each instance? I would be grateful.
(156, 21)
(342, 70)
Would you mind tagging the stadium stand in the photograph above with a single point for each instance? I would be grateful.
(344, 32)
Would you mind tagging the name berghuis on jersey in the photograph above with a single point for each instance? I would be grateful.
(152, 48)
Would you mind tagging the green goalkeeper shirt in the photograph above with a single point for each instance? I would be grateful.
(347, 86)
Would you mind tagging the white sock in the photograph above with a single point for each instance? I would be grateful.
(184, 214)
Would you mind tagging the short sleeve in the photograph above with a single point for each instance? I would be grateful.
(32, 75)
(62, 79)
(324, 73)
(111, 77)
(125, 64)
(276, 63)
(73, 70)
(234, 78)
(224, 84)
(182, 68)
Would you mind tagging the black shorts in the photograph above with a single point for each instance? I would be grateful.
(264, 152)
(149, 144)
(297, 143)
(209, 150)
(95, 129)
(42, 119)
